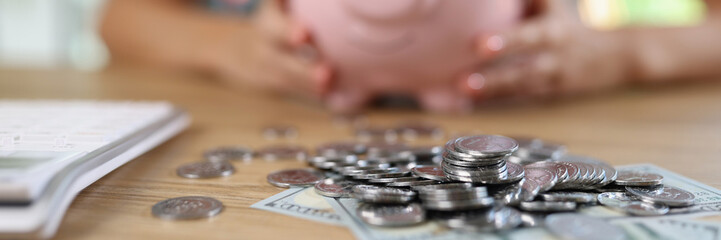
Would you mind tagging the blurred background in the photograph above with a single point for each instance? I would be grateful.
(63, 33)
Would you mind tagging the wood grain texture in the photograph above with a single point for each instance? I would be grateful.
(677, 127)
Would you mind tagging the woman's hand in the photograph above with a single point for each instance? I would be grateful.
(549, 55)
(277, 54)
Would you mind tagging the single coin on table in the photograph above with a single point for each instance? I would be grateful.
(206, 169)
(335, 187)
(577, 226)
(391, 215)
(671, 196)
(191, 207)
(295, 178)
(637, 178)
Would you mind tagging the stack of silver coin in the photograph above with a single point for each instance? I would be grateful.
(481, 159)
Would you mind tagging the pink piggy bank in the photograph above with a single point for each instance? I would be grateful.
(418, 48)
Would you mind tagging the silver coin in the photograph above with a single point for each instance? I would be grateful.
(391, 215)
(282, 152)
(382, 174)
(514, 173)
(335, 187)
(430, 172)
(375, 194)
(512, 194)
(578, 197)
(421, 182)
(486, 171)
(495, 219)
(454, 205)
(229, 153)
(639, 208)
(573, 172)
(543, 177)
(486, 145)
(280, 131)
(206, 170)
(295, 178)
(560, 170)
(577, 226)
(616, 199)
(192, 207)
(671, 196)
(452, 194)
(393, 179)
(636, 178)
(443, 186)
(609, 173)
(539, 206)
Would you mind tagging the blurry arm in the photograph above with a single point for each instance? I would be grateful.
(166, 33)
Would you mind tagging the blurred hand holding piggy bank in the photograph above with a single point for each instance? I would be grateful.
(409, 47)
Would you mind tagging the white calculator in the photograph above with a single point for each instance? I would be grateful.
(52, 149)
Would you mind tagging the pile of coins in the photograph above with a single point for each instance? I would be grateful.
(479, 183)
(472, 183)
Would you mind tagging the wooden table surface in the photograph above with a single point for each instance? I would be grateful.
(675, 127)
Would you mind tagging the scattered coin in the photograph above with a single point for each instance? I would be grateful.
(295, 178)
(577, 226)
(335, 187)
(206, 169)
(635, 178)
(391, 215)
(671, 196)
(192, 207)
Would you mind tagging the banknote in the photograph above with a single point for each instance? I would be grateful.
(303, 203)
(708, 202)
(708, 199)
(665, 228)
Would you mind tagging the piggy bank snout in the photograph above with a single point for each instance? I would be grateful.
(385, 10)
